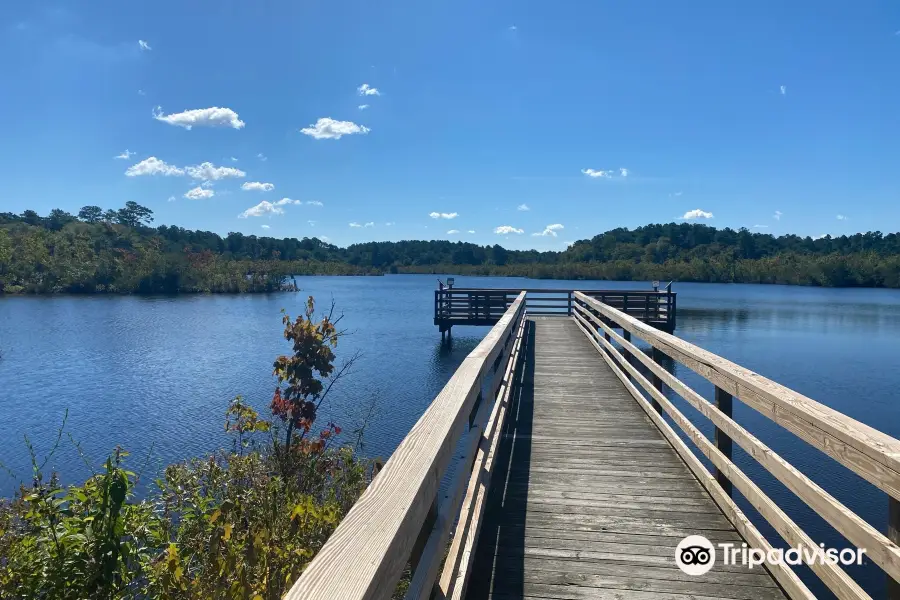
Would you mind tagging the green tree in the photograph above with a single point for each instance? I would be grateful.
(134, 215)
(90, 214)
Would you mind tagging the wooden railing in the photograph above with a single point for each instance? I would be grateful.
(867, 452)
(399, 519)
(482, 305)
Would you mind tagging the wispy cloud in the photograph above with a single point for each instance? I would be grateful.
(263, 208)
(327, 128)
(363, 106)
(507, 229)
(549, 230)
(142, 93)
(355, 224)
(523, 207)
(842, 218)
(286, 201)
(389, 223)
(783, 90)
(209, 172)
(257, 186)
(819, 237)
(440, 215)
(153, 166)
(623, 172)
(233, 159)
(453, 232)
(471, 231)
(760, 226)
(606, 173)
(314, 203)
(311, 223)
(144, 45)
(512, 28)
(125, 155)
(370, 224)
(264, 226)
(594, 173)
(171, 199)
(697, 214)
(675, 194)
(367, 90)
(262, 157)
(201, 117)
(199, 193)
(777, 215)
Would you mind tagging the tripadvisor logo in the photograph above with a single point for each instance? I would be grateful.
(696, 555)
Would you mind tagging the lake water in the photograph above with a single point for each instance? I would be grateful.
(154, 375)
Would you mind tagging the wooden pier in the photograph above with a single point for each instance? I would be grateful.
(570, 484)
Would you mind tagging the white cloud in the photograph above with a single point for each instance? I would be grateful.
(286, 201)
(262, 157)
(207, 184)
(201, 117)
(144, 45)
(311, 223)
(327, 128)
(314, 203)
(142, 93)
(126, 155)
(363, 106)
(676, 194)
(819, 237)
(264, 226)
(507, 229)
(453, 232)
(760, 226)
(261, 209)
(367, 90)
(594, 173)
(389, 223)
(440, 215)
(208, 171)
(697, 214)
(841, 218)
(623, 172)
(522, 207)
(369, 224)
(199, 193)
(777, 215)
(355, 224)
(257, 186)
(783, 89)
(471, 231)
(153, 166)
(550, 230)
(233, 159)
(171, 199)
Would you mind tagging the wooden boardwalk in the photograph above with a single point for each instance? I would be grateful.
(602, 521)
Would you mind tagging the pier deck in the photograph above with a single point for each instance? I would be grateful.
(590, 500)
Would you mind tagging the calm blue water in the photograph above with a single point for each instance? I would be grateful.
(154, 375)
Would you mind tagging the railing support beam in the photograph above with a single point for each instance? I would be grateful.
(657, 382)
(724, 403)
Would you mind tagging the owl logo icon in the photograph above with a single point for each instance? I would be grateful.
(695, 555)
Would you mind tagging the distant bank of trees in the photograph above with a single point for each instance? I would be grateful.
(118, 251)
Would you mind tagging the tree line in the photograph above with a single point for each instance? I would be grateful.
(120, 251)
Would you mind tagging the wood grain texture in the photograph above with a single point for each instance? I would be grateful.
(834, 577)
(365, 556)
(590, 498)
(879, 547)
(869, 453)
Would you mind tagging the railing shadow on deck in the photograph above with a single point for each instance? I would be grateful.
(501, 547)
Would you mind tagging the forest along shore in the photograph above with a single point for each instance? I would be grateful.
(119, 251)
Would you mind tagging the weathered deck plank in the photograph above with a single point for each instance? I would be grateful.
(590, 500)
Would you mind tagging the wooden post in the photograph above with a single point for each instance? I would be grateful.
(627, 335)
(424, 534)
(723, 442)
(570, 304)
(893, 534)
(657, 382)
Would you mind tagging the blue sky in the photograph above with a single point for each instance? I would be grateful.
(778, 115)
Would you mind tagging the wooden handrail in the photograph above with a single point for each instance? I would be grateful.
(365, 556)
(860, 440)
